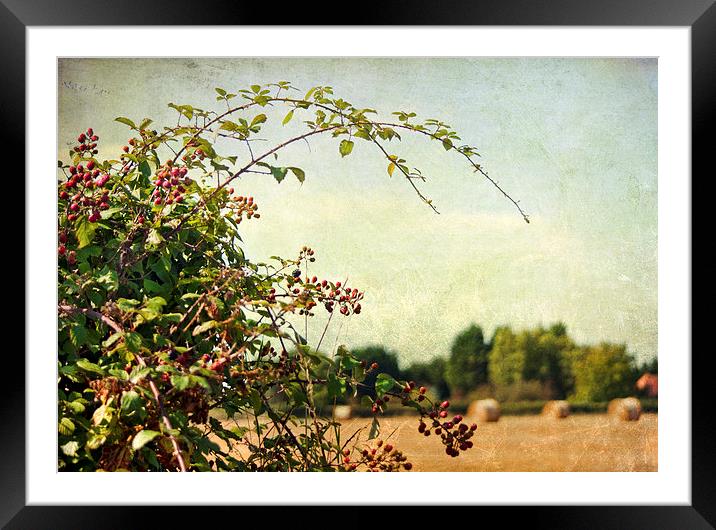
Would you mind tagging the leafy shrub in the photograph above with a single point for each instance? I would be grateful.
(163, 319)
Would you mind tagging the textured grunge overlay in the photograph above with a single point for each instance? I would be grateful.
(573, 139)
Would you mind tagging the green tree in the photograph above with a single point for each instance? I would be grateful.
(602, 372)
(532, 355)
(466, 368)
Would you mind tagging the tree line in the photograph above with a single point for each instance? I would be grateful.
(541, 363)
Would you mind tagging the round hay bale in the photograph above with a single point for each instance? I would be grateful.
(556, 409)
(343, 412)
(627, 409)
(484, 410)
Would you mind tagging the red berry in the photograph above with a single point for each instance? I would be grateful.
(125, 149)
(443, 414)
(444, 404)
(61, 250)
(90, 164)
(374, 366)
(63, 238)
(140, 219)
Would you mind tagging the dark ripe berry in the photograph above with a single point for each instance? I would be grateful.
(357, 309)
(379, 443)
(158, 201)
(421, 397)
(422, 427)
(444, 405)
(447, 425)
(407, 466)
(473, 427)
(388, 448)
(61, 250)
(64, 195)
(324, 283)
(63, 237)
(90, 131)
(72, 257)
(468, 444)
(386, 399)
(426, 433)
(457, 419)
(81, 138)
(90, 165)
(71, 217)
(94, 138)
(296, 273)
(73, 170)
(74, 207)
(438, 431)
(140, 219)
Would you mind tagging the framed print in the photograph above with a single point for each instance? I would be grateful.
(451, 245)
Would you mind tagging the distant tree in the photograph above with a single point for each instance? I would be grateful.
(532, 355)
(506, 359)
(602, 372)
(466, 367)
(387, 363)
(431, 374)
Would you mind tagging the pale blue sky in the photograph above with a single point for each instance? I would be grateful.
(575, 140)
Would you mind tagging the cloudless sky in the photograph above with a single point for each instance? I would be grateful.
(574, 140)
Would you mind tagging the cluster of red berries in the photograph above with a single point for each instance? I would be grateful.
(169, 184)
(87, 142)
(89, 197)
(62, 250)
(454, 434)
(243, 206)
(382, 457)
(198, 153)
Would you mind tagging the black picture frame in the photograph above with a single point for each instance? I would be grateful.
(699, 15)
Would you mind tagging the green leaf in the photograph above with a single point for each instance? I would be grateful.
(78, 335)
(201, 328)
(142, 438)
(261, 118)
(288, 117)
(300, 174)
(89, 366)
(66, 427)
(145, 123)
(144, 168)
(279, 173)
(345, 147)
(112, 339)
(384, 383)
(181, 382)
(336, 386)
(374, 429)
(151, 286)
(84, 230)
(126, 121)
(133, 341)
(70, 448)
(447, 144)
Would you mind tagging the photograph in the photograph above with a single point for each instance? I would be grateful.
(357, 264)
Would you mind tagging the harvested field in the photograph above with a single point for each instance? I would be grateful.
(580, 442)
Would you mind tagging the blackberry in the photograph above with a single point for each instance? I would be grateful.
(296, 273)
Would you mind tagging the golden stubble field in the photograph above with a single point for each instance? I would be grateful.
(581, 442)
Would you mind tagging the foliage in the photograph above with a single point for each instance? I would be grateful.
(162, 318)
(532, 355)
(466, 368)
(386, 361)
(602, 372)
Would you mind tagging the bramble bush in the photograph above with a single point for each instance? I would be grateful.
(163, 319)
